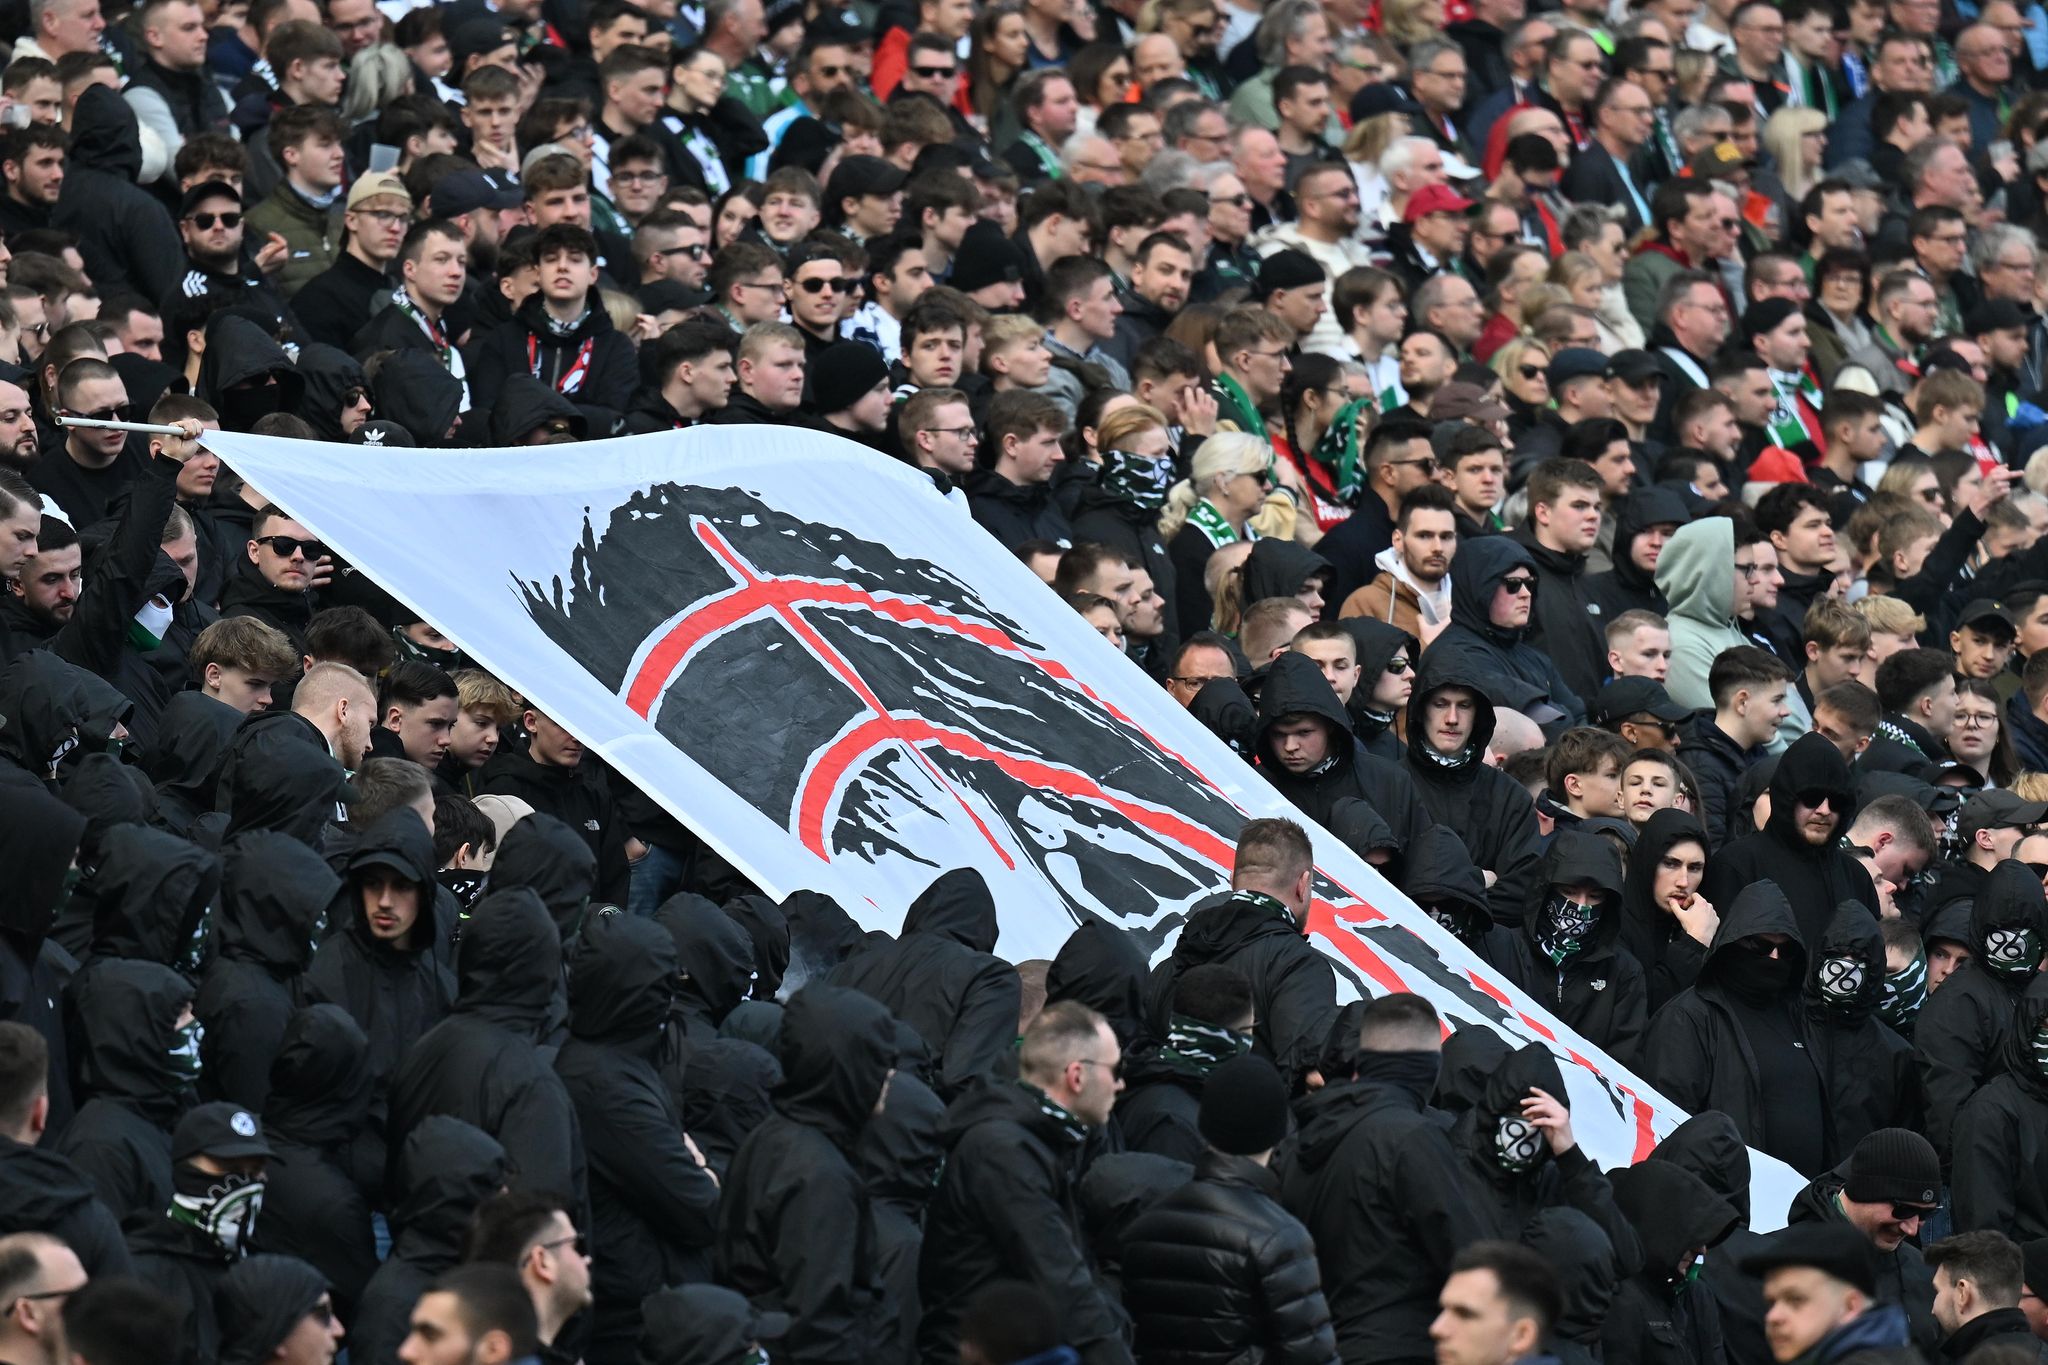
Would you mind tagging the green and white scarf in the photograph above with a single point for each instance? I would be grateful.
(1239, 408)
(1195, 1048)
(1204, 517)
(1785, 427)
(1337, 451)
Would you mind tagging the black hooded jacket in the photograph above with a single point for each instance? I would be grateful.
(528, 342)
(1218, 1272)
(1109, 518)
(1101, 966)
(1564, 619)
(148, 897)
(238, 351)
(41, 1191)
(125, 1023)
(942, 978)
(1377, 1183)
(249, 593)
(1472, 644)
(127, 238)
(1872, 1081)
(1007, 1208)
(724, 1093)
(2000, 1139)
(1815, 879)
(1959, 1036)
(1627, 587)
(900, 1157)
(393, 989)
(184, 763)
(1741, 1043)
(1294, 986)
(1708, 1145)
(444, 1170)
(654, 1206)
(1490, 811)
(1015, 512)
(1658, 1317)
(275, 896)
(1376, 642)
(1439, 876)
(483, 1064)
(1670, 957)
(1280, 568)
(1587, 1274)
(578, 798)
(329, 373)
(416, 391)
(796, 1232)
(278, 775)
(1597, 990)
(39, 838)
(524, 406)
(1295, 686)
(716, 961)
(317, 1195)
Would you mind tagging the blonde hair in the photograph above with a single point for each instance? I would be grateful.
(1781, 139)
(1226, 453)
(1223, 577)
(1541, 296)
(1126, 422)
(1007, 329)
(1404, 22)
(623, 309)
(2030, 786)
(476, 690)
(1574, 266)
(377, 75)
(1370, 137)
(1890, 615)
(1510, 355)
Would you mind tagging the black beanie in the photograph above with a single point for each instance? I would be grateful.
(1894, 1165)
(1766, 315)
(1244, 1107)
(846, 370)
(259, 1301)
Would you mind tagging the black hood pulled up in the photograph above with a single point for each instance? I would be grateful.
(417, 392)
(151, 892)
(1577, 857)
(769, 928)
(1645, 924)
(281, 782)
(274, 897)
(238, 351)
(1377, 642)
(900, 1150)
(108, 793)
(1812, 763)
(1711, 1147)
(524, 405)
(836, 1048)
(401, 843)
(1851, 935)
(329, 373)
(1102, 967)
(1471, 1057)
(1439, 871)
(821, 936)
(1759, 908)
(38, 837)
(509, 960)
(621, 981)
(1481, 565)
(1434, 677)
(1280, 568)
(1295, 686)
(957, 906)
(127, 1022)
(1588, 1272)
(191, 736)
(48, 711)
(1672, 1211)
(320, 1078)
(105, 135)
(545, 856)
(445, 1169)
(714, 955)
(2011, 898)
(1652, 505)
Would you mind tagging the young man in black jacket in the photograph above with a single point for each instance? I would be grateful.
(562, 336)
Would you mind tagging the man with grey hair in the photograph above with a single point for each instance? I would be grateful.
(1936, 174)
(1090, 159)
(1198, 127)
(1449, 304)
(1524, 50)
(58, 28)
(1291, 33)
(1438, 74)
(1693, 311)
(1408, 164)
(2005, 258)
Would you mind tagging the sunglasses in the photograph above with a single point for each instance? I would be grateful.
(1906, 1213)
(2039, 870)
(1398, 665)
(120, 412)
(1517, 583)
(934, 73)
(284, 547)
(1236, 201)
(353, 395)
(205, 221)
(1815, 798)
(1530, 371)
(815, 285)
(695, 251)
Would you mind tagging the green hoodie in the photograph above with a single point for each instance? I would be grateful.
(1696, 574)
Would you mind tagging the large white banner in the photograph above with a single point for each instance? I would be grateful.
(841, 683)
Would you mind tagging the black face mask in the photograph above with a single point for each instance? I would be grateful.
(1414, 1072)
(1760, 977)
(242, 408)
(468, 886)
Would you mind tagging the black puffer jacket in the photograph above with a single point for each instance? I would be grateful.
(796, 1232)
(393, 989)
(1007, 1208)
(127, 238)
(317, 1194)
(1702, 1049)
(1490, 810)
(2001, 1141)
(654, 1207)
(1294, 986)
(1377, 1183)
(1218, 1273)
(1659, 1317)
(1115, 1188)
(900, 1158)
(191, 738)
(274, 898)
(483, 1063)
(1473, 645)
(1295, 686)
(1869, 1072)
(1101, 966)
(444, 1170)
(942, 978)
(1959, 1036)
(1598, 989)
(124, 1025)
(1669, 956)
(1626, 587)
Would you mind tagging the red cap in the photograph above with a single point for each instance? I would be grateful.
(1434, 199)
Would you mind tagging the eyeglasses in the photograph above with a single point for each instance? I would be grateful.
(1117, 1070)
(1751, 570)
(384, 217)
(934, 73)
(20, 1299)
(1280, 356)
(284, 547)
(120, 412)
(817, 285)
(757, 284)
(1518, 583)
(1976, 720)
(695, 251)
(964, 433)
(582, 1247)
(230, 220)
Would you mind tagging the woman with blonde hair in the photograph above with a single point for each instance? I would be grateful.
(1408, 22)
(1231, 481)
(1797, 139)
(377, 75)
(1368, 141)
(1523, 366)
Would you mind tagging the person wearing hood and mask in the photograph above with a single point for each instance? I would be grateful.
(900, 1157)
(1493, 599)
(1305, 748)
(126, 238)
(1884, 1192)
(1796, 848)
(1961, 1034)
(1379, 1186)
(1450, 725)
(706, 1324)
(275, 895)
(653, 1201)
(1644, 524)
(337, 391)
(1708, 1146)
(276, 1309)
(1868, 1070)
(1570, 957)
(724, 1093)
(942, 978)
(2000, 1163)
(379, 963)
(444, 1170)
(483, 1063)
(1692, 573)
(135, 1049)
(1008, 1206)
(1665, 925)
(416, 391)
(1218, 1269)
(184, 763)
(768, 927)
(1211, 1023)
(245, 374)
(186, 1248)
(321, 1179)
(1588, 1273)
(1440, 877)
(1386, 679)
(715, 967)
(1739, 1041)
(795, 1223)
(528, 413)
(1661, 1314)
(40, 838)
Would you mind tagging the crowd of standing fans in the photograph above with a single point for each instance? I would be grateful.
(1592, 461)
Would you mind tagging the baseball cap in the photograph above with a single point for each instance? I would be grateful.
(467, 191)
(1381, 97)
(1983, 611)
(1575, 362)
(1625, 697)
(1634, 366)
(1999, 810)
(376, 184)
(473, 37)
(205, 190)
(220, 1129)
(1719, 159)
(1463, 402)
(1858, 174)
(1434, 199)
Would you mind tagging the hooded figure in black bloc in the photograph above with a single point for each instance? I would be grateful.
(1662, 1315)
(1569, 954)
(1708, 1145)
(1489, 810)
(1295, 690)
(1670, 957)
(1489, 652)
(1872, 1081)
